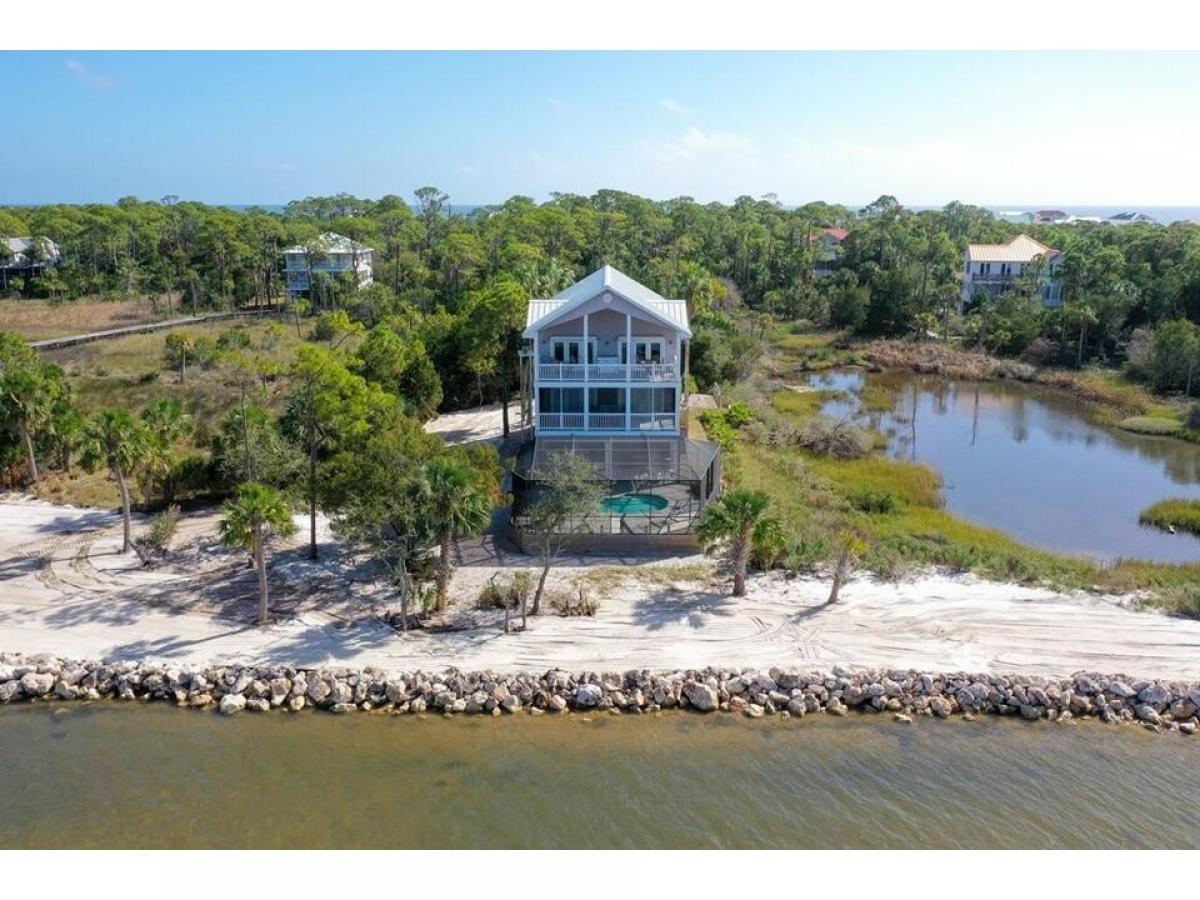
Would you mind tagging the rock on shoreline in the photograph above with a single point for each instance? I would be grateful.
(1158, 705)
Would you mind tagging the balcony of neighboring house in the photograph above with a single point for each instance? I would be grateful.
(607, 409)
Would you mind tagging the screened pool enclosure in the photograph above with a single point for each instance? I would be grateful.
(652, 485)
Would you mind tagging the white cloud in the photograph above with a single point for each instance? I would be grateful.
(470, 171)
(672, 106)
(696, 144)
(89, 78)
(559, 106)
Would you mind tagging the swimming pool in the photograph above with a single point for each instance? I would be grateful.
(633, 504)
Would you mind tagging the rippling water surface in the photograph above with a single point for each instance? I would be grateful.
(153, 776)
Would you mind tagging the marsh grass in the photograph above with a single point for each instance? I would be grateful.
(1176, 512)
(816, 495)
(37, 320)
(1152, 425)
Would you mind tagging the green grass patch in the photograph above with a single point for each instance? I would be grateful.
(1151, 425)
(801, 405)
(1175, 512)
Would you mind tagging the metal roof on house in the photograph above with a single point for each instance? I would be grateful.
(631, 458)
(1022, 249)
(606, 278)
(333, 243)
(20, 247)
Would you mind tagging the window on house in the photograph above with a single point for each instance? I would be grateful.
(570, 350)
(606, 400)
(645, 350)
(654, 400)
(560, 400)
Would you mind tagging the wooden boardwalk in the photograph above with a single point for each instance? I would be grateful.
(72, 340)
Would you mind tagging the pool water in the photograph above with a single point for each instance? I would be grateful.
(633, 504)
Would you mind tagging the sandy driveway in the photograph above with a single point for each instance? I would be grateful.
(64, 590)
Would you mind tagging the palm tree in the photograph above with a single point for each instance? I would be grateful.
(166, 423)
(251, 517)
(732, 526)
(459, 505)
(115, 439)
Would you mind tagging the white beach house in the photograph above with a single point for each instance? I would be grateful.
(992, 269)
(607, 365)
(609, 357)
(332, 255)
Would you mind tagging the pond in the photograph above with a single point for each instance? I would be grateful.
(1029, 461)
(153, 776)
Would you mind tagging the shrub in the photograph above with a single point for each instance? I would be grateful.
(505, 593)
(874, 501)
(235, 338)
(839, 439)
(563, 604)
(1193, 416)
(718, 429)
(805, 552)
(154, 540)
(738, 414)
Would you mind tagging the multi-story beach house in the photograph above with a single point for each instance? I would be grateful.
(992, 269)
(606, 373)
(331, 256)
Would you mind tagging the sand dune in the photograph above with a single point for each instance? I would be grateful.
(64, 590)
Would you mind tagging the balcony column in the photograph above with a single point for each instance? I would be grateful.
(535, 376)
(587, 417)
(628, 372)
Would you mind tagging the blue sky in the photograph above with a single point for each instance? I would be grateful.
(1081, 128)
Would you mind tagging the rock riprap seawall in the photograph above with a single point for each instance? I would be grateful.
(1158, 705)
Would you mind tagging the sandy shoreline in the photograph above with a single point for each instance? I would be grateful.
(65, 591)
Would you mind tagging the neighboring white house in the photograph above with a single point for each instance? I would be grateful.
(993, 268)
(334, 255)
(27, 255)
(608, 357)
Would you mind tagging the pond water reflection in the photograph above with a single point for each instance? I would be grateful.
(1027, 460)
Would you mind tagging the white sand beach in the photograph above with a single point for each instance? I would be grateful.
(64, 590)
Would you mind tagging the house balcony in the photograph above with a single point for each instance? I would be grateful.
(615, 371)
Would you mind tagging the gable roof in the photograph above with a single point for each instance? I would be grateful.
(1022, 249)
(543, 312)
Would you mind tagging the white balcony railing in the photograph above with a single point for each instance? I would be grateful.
(652, 421)
(560, 421)
(606, 422)
(606, 372)
(560, 371)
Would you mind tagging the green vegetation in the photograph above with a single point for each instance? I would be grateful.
(1153, 425)
(733, 526)
(252, 517)
(888, 513)
(1171, 514)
